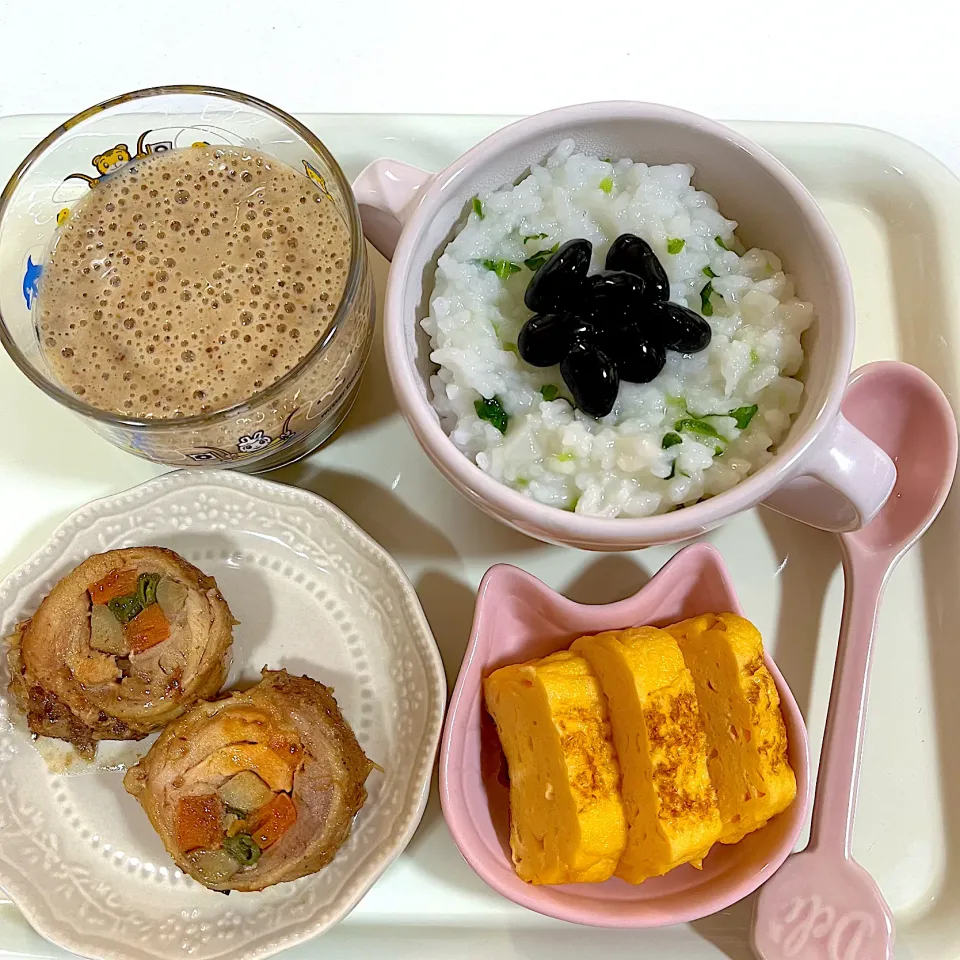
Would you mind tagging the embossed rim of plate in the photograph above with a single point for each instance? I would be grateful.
(23, 890)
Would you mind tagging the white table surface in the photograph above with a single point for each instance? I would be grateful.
(884, 64)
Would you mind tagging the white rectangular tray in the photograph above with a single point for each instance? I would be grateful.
(897, 212)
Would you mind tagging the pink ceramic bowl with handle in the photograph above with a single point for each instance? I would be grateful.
(825, 473)
(517, 618)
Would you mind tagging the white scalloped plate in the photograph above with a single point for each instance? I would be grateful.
(315, 595)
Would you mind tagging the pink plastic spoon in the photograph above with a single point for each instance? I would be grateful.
(821, 904)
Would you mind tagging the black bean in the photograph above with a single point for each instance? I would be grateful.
(545, 338)
(555, 285)
(635, 255)
(638, 358)
(677, 328)
(611, 297)
(592, 378)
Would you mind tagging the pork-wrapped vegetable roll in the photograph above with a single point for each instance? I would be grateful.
(122, 645)
(257, 788)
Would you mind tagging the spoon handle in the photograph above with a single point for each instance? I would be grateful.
(839, 776)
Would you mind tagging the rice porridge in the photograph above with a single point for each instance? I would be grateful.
(709, 405)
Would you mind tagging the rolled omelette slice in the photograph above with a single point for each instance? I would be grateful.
(566, 817)
(255, 788)
(123, 644)
(746, 737)
(671, 806)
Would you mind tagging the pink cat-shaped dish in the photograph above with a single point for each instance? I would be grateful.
(517, 618)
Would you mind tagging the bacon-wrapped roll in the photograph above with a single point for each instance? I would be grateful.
(257, 788)
(122, 645)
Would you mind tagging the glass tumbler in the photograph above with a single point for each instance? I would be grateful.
(277, 424)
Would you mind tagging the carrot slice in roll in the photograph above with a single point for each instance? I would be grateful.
(273, 821)
(116, 583)
(198, 822)
(147, 629)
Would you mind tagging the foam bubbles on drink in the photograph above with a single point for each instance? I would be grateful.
(189, 281)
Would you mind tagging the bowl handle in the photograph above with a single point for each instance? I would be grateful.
(841, 483)
(387, 193)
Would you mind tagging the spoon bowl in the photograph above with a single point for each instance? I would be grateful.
(906, 414)
(822, 903)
